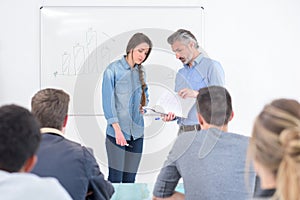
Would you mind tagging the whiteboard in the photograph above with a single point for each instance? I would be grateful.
(77, 44)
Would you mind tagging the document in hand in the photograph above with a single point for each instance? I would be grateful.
(172, 102)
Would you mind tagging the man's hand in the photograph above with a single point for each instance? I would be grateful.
(169, 117)
(187, 93)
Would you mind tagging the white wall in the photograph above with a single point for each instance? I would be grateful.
(19, 51)
(256, 42)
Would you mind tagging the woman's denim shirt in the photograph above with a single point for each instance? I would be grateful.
(121, 97)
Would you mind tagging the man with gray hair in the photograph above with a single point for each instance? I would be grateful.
(197, 72)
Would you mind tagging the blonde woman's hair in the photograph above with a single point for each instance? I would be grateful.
(275, 144)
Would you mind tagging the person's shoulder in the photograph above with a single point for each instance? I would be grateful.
(88, 152)
(210, 63)
(238, 136)
(114, 64)
(63, 141)
(21, 178)
(41, 181)
(208, 59)
(80, 149)
(51, 187)
(180, 70)
(48, 187)
(75, 147)
(71, 142)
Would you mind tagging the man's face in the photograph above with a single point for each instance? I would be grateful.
(182, 51)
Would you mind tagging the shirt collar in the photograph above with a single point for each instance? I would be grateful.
(125, 63)
(51, 130)
(196, 61)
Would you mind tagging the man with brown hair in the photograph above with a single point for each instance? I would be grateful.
(211, 161)
(72, 164)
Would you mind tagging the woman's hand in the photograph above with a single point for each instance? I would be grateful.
(142, 111)
(120, 139)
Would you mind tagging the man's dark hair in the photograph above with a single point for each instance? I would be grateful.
(50, 107)
(214, 104)
(19, 137)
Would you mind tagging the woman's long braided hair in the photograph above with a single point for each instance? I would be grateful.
(134, 41)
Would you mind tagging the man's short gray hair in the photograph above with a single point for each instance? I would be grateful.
(184, 36)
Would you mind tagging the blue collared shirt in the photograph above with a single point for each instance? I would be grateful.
(121, 97)
(204, 72)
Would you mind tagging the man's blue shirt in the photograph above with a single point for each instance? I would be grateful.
(204, 72)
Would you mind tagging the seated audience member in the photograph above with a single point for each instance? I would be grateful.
(211, 161)
(275, 150)
(19, 140)
(72, 164)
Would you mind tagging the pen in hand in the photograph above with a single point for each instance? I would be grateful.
(128, 145)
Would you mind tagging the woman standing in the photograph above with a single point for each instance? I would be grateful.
(124, 92)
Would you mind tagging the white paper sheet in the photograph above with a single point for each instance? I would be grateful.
(172, 102)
